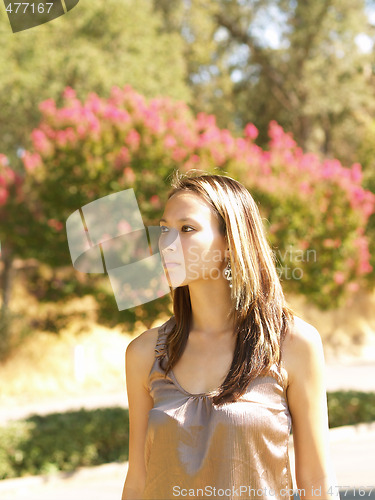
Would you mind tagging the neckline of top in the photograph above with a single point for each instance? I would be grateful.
(163, 332)
(208, 394)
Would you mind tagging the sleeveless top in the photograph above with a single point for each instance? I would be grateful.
(195, 449)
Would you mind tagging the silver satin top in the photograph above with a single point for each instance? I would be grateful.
(193, 447)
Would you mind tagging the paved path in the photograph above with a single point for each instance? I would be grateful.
(89, 402)
(355, 374)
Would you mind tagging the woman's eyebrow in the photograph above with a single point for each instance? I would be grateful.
(179, 220)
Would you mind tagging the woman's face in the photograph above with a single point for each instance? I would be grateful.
(195, 243)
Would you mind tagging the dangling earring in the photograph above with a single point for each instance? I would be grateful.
(228, 274)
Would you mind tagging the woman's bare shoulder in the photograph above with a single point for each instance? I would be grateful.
(142, 347)
(144, 344)
(140, 352)
(300, 330)
(302, 341)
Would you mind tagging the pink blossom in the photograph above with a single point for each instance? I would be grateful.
(361, 243)
(55, 224)
(368, 206)
(365, 267)
(189, 140)
(191, 162)
(218, 156)
(40, 141)
(204, 121)
(155, 201)
(288, 158)
(241, 144)
(178, 154)
(337, 243)
(3, 160)
(308, 161)
(279, 138)
(353, 286)
(71, 135)
(329, 242)
(226, 139)
(304, 244)
(251, 132)
(305, 188)
(152, 121)
(31, 160)
(339, 277)
(170, 141)
(266, 156)
(123, 158)
(10, 175)
(69, 115)
(358, 194)
(61, 138)
(69, 93)
(129, 175)
(94, 125)
(327, 170)
(116, 115)
(48, 107)
(93, 102)
(275, 132)
(116, 95)
(133, 140)
(356, 173)
(81, 131)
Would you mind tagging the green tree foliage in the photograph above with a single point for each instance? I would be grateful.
(207, 56)
(93, 47)
(298, 63)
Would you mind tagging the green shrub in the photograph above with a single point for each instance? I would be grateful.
(350, 407)
(63, 441)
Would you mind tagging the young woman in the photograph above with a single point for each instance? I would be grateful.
(215, 391)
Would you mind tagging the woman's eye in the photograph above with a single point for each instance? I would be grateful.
(165, 227)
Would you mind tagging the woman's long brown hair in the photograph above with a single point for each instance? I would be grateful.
(261, 314)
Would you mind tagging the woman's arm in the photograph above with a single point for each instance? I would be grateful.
(138, 362)
(307, 401)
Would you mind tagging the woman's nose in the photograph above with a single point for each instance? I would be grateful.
(169, 241)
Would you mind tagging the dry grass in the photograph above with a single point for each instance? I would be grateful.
(347, 332)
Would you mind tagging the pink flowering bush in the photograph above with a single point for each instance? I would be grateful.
(315, 210)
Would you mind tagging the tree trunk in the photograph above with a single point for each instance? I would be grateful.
(6, 281)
